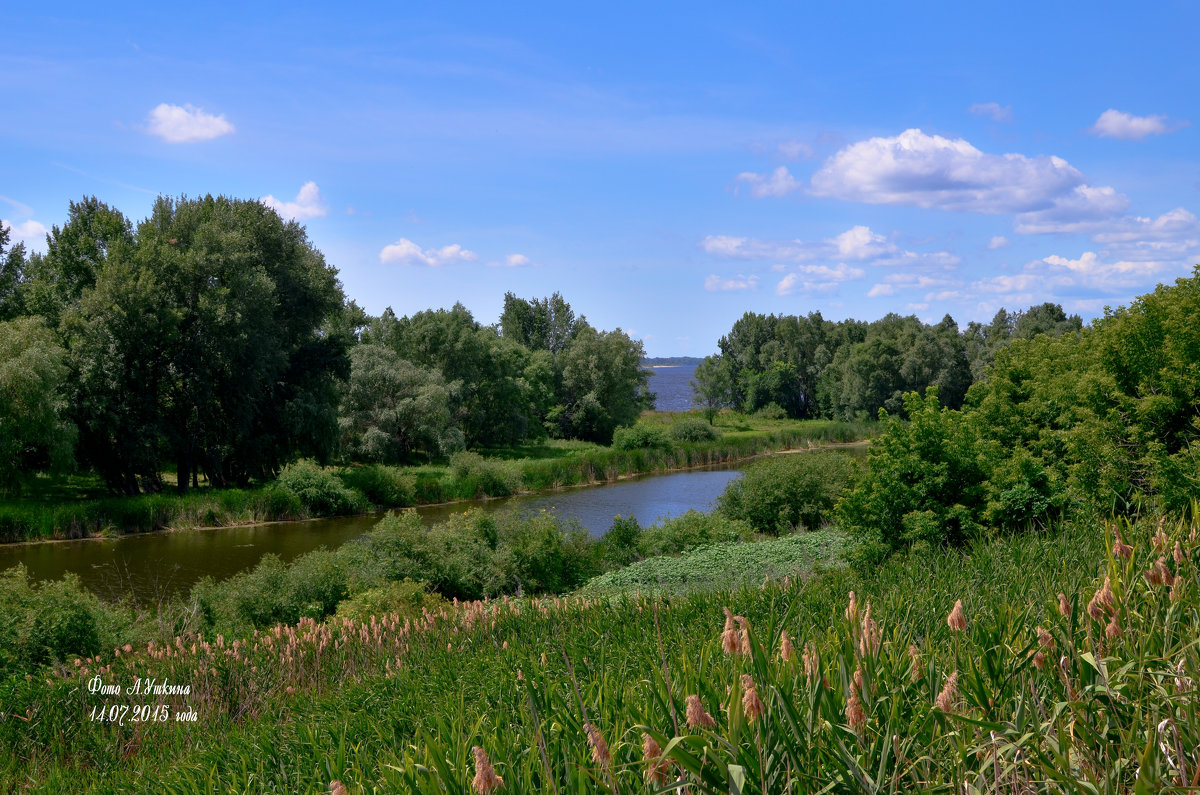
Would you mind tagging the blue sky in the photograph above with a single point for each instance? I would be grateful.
(666, 167)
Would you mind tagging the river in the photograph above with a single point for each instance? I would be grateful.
(151, 566)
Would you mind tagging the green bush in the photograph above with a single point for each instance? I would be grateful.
(692, 529)
(639, 436)
(619, 546)
(926, 480)
(45, 622)
(691, 430)
(319, 490)
(384, 486)
(771, 411)
(783, 493)
(405, 599)
(476, 476)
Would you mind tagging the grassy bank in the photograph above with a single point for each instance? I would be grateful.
(54, 511)
(881, 692)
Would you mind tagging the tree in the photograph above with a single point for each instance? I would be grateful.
(547, 324)
(34, 433)
(604, 385)
(12, 271)
(712, 386)
(393, 409)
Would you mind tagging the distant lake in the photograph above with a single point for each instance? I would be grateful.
(672, 385)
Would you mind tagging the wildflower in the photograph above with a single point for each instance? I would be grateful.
(1102, 600)
(914, 671)
(485, 780)
(786, 652)
(730, 641)
(752, 705)
(949, 694)
(1159, 574)
(810, 662)
(1045, 639)
(868, 640)
(656, 766)
(856, 716)
(1120, 548)
(697, 715)
(600, 753)
(1064, 607)
(1113, 630)
(956, 620)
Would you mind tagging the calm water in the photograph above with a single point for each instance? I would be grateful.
(159, 564)
(672, 387)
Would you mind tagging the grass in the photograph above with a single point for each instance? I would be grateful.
(724, 566)
(1041, 700)
(70, 507)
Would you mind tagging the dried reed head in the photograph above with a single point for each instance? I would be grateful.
(752, 705)
(486, 780)
(786, 652)
(697, 715)
(600, 753)
(956, 620)
(946, 698)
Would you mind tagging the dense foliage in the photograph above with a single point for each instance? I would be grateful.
(812, 367)
(782, 494)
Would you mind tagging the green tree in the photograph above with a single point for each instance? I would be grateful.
(712, 386)
(34, 432)
(12, 272)
(393, 409)
(604, 385)
(546, 324)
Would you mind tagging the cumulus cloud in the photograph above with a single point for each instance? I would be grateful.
(1082, 210)
(795, 150)
(1127, 127)
(998, 242)
(779, 183)
(186, 124)
(991, 110)
(881, 289)
(307, 204)
(809, 279)
(715, 283)
(29, 232)
(934, 172)
(406, 252)
(857, 244)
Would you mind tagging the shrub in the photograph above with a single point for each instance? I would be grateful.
(639, 436)
(771, 411)
(45, 622)
(690, 530)
(925, 480)
(405, 599)
(384, 486)
(476, 476)
(693, 431)
(619, 546)
(784, 493)
(319, 490)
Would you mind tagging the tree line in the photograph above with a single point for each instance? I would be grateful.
(807, 366)
(213, 339)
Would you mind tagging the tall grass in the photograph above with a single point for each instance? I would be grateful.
(879, 692)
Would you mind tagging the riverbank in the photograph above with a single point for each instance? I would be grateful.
(305, 491)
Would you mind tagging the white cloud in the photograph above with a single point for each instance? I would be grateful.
(1127, 127)
(715, 283)
(307, 204)
(795, 150)
(881, 290)
(991, 110)
(516, 260)
(779, 183)
(933, 172)
(816, 278)
(998, 242)
(858, 244)
(1083, 209)
(186, 124)
(406, 252)
(29, 232)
